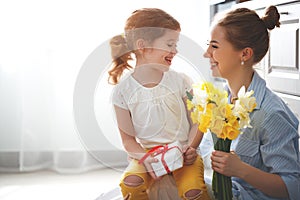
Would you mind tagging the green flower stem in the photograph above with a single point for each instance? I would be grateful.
(221, 184)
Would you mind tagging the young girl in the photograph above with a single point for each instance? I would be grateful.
(265, 161)
(150, 103)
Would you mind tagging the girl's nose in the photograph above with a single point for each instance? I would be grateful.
(174, 50)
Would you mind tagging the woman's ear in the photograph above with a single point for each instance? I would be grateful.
(247, 53)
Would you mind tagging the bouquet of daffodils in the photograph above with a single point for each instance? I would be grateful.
(210, 109)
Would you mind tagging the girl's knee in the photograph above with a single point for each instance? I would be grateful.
(134, 187)
(133, 181)
(194, 194)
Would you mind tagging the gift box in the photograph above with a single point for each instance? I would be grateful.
(169, 158)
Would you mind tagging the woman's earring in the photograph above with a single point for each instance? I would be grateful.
(242, 63)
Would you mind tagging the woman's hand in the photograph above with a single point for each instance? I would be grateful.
(189, 155)
(228, 164)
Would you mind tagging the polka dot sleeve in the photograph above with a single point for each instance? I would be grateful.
(118, 98)
(186, 84)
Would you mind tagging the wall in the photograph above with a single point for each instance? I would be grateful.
(43, 48)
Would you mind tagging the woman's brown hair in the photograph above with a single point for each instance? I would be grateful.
(244, 28)
(148, 24)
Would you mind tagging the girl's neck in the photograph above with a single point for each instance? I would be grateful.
(148, 75)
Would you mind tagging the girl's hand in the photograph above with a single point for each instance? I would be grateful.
(189, 155)
(228, 164)
(147, 163)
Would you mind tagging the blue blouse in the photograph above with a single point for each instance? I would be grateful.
(272, 145)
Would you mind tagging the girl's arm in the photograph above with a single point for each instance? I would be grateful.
(131, 146)
(195, 136)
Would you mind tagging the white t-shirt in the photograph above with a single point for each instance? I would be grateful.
(158, 113)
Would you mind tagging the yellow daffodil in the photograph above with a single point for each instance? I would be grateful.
(245, 99)
(189, 104)
(204, 122)
(210, 109)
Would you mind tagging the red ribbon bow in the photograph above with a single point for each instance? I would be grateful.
(161, 149)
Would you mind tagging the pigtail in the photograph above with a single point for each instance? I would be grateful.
(120, 55)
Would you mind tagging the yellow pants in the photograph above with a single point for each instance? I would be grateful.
(187, 178)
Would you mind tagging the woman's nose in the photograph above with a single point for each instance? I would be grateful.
(206, 54)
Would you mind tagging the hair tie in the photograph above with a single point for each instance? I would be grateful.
(118, 46)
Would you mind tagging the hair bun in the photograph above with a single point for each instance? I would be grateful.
(271, 18)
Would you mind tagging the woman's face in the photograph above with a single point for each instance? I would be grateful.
(224, 59)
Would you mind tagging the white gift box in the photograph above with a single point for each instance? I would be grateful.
(170, 158)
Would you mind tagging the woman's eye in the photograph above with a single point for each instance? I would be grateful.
(212, 45)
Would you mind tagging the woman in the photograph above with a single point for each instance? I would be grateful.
(264, 163)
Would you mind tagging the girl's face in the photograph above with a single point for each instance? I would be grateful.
(162, 50)
(224, 59)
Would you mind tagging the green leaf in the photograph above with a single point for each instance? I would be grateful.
(221, 184)
(189, 95)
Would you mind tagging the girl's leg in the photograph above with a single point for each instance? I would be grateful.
(190, 181)
(135, 182)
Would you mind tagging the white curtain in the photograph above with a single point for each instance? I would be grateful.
(37, 120)
(44, 46)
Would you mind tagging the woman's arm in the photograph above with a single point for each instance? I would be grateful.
(230, 164)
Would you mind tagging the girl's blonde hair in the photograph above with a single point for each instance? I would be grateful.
(148, 24)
